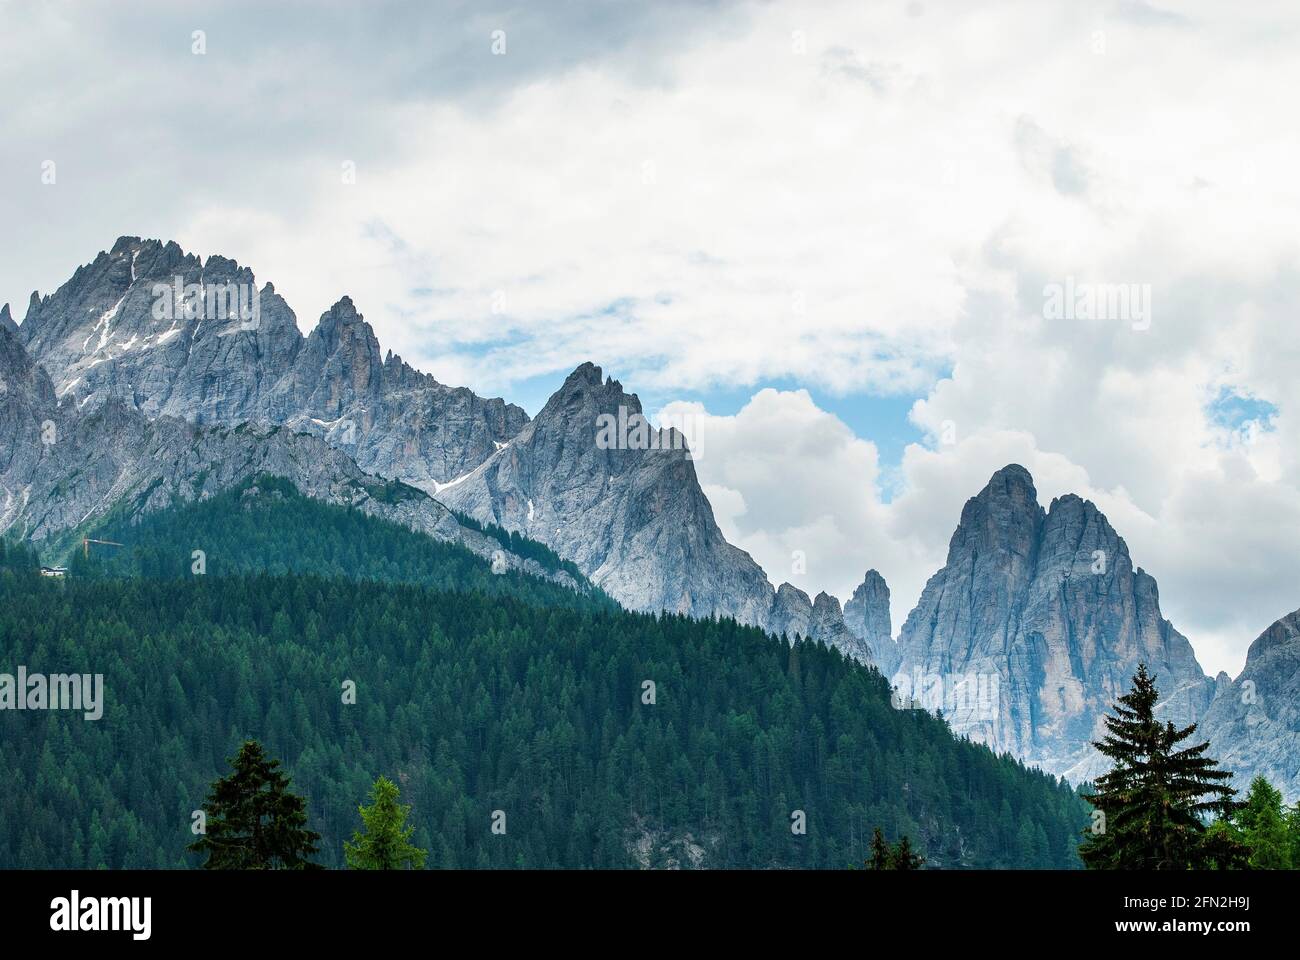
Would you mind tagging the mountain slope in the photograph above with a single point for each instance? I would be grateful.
(477, 703)
(866, 615)
(1034, 626)
(634, 519)
(65, 471)
(265, 525)
(1254, 722)
(124, 327)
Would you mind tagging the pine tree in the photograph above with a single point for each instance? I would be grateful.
(899, 857)
(1263, 826)
(1156, 796)
(253, 821)
(903, 858)
(385, 844)
(879, 852)
(1293, 833)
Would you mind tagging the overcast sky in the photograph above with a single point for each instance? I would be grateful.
(824, 231)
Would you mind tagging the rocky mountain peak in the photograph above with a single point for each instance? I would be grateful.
(584, 390)
(20, 377)
(1048, 610)
(791, 612)
(1281, 635)
(173, 335)
(593, 481)
(827, 626)
(1254, 722)
(825, 605)
(867, 616)
(7, 320)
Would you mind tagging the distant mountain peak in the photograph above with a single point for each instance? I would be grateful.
(102, 335)
(1253, 725)
(867, 616)
(1048, 605)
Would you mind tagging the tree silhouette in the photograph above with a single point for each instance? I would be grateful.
(385, 843)
(253, 821)
(1155, 798)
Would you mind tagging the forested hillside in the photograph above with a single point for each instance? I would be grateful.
(475, 693)
(265, 525)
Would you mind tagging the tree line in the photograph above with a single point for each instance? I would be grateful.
(490, 701)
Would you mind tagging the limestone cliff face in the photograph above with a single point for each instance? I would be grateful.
(1254, 722)
(1035, 625)
(168, 334)
(793, 614)
(627, 508)
(63, 468)
(148, 329)
(866, 615)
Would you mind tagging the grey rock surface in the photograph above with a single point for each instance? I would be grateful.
(1035, 625)
(827, 626)
(791, 612)
(63, 468)
(633, 518)
(1253, 725)
(866, 614)
(227, 353)
(149, 330)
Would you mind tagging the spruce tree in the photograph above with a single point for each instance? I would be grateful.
(253, 821)
(1156, 797)
(903, 858)
(385, 843)
(899, 857)
(1262, 822)
(879, 852)
(1293, 833)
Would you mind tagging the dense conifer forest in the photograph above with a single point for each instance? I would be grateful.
(590, 736)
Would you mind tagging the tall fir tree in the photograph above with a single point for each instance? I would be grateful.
(253, 821)
(898, 857)
(903, 858)
(1156, 797)
(1293, 833)
(879, 852)
(1262, 823)
(385, 843)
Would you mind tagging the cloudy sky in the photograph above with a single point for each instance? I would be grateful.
(822, 231)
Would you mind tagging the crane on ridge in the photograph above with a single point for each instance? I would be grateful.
(87, 541)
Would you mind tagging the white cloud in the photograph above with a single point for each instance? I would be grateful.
(686, 198)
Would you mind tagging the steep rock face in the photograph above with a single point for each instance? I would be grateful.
(63, 468)
(1254, 722)
(27, 406)
(791, 612)
(393, 419)
(866, 615)
(827, 626)
(170, 335)
(631, 515)
(1034, 627)
(147, 329)
(7, 321)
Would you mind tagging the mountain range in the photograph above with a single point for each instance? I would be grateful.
(153, 377)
